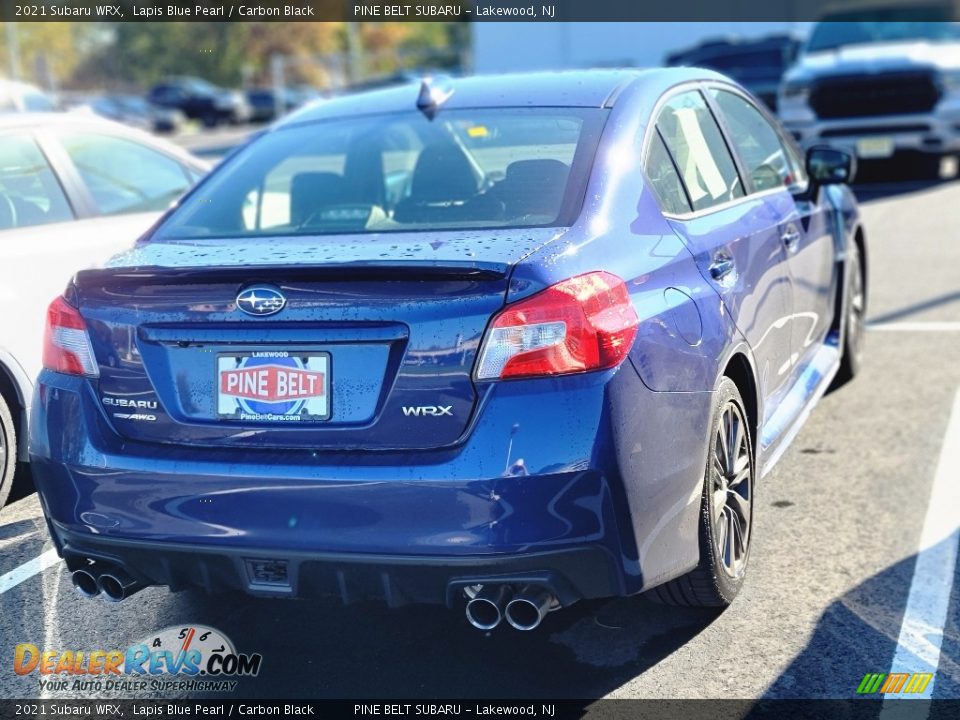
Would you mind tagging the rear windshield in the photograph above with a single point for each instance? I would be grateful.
(489, 168)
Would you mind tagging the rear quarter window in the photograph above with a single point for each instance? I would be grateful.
(664, 178)
(122, 175)
(691, 134)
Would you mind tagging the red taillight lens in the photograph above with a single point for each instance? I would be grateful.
(581, 324)
(66, 345)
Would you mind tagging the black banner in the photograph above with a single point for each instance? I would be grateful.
(110, 709)
(449, 11)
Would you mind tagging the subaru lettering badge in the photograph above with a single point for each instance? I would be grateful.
(261, 300)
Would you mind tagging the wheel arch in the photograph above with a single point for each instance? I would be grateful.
(860, 238)
(740, 370)
(17, 397)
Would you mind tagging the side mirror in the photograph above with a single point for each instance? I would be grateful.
(828, 166)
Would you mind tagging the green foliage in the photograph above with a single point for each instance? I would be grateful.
(49, 51)
(138, 54)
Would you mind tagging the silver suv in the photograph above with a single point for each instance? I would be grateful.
(876, 88)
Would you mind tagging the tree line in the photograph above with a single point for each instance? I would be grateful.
(101, 55)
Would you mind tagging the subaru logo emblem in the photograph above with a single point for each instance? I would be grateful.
(261, 300)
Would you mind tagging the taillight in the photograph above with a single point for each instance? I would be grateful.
(581, 324)
(66, 345)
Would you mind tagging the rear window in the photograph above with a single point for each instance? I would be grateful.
(490, 168)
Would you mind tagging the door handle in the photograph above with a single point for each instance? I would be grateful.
(721, 267)
(790, 237)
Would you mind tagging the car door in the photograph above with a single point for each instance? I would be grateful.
(732, 234)
(775, 173)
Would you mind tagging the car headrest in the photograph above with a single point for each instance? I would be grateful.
(310, 191)
(544, 172)
(535, 187)
(442, 173)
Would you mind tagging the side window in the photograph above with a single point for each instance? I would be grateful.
(29, 191)
(124, 176)
(664, 179)
(694, 140)
(757, 142)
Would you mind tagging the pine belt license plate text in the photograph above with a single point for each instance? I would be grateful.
(875, 147)
(273, 386)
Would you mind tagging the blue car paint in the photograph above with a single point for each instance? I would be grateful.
(611, 460)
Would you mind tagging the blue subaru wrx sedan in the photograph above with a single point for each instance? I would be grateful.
(503, 342)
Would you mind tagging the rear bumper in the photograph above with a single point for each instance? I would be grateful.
(572, 575)
(589, 485)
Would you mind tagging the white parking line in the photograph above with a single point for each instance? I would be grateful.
(921, 633)
(28, 570)
(932, 326)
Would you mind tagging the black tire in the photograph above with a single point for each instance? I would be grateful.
(8, 451)
(717, 580)
(855, 308)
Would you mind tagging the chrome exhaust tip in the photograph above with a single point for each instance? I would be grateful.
(85, 583)
(485, 609)
(528, 609)
(117, 585)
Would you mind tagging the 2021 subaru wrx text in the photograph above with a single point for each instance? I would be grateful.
(510, 340)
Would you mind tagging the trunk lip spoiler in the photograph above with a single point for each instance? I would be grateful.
(248, 274)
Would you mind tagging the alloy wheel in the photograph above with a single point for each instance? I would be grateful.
(732, 490)
(855, 307)
(3, 453)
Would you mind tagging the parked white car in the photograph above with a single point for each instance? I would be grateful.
(74, 191)
(23, 97)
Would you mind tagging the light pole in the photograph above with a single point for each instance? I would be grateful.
(355, 69)
(278, 80)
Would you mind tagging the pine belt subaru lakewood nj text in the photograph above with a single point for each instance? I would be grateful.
(513, 341)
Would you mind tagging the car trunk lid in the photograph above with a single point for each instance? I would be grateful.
(367, 353)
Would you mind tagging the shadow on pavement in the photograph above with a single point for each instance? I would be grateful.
(22, 483)
(858, 634)
(418, 652)
(871, 191)
(915, 308)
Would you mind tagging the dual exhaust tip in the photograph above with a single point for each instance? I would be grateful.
(114, 584)
(523, 610)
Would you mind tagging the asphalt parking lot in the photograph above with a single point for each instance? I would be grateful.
(836, 587)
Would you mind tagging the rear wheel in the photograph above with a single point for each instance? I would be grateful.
(8, 451)
(726, 512)
(853, 321)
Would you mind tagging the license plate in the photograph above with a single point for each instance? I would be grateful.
(273, 386)
(878, 147)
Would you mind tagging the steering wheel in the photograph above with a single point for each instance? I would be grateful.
(8, 213)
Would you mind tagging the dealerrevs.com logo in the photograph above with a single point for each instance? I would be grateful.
(195, 658)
